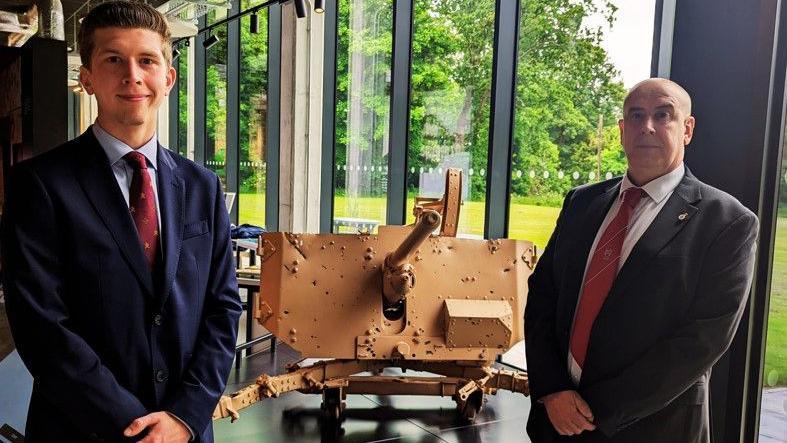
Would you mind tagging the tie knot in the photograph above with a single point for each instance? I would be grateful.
(136, 160)
(632, 196)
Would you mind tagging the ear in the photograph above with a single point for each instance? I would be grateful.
(171, 76)
(621, 128)
(688, 130)
(85, 80)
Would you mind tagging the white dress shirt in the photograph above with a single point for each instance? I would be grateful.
(658, 192)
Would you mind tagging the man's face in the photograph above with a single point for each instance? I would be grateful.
(655, 128)
(128, 75)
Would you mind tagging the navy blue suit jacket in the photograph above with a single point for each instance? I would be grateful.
(105, 339)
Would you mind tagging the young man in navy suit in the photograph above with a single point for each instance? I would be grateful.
(120, 284)
(639, 290)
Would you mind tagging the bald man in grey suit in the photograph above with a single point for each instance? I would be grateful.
(635, 299)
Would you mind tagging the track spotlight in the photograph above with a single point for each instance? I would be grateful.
(300, 8)
(175, 54)
(319, 6)
(254, 23)
(210, 41)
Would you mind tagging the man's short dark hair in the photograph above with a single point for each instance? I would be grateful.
(122, 14)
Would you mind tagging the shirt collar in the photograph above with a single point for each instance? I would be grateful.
(116, 149)
(659, 188)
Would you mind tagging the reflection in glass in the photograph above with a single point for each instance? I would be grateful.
(246, 4)
(216, 105)
(449, 110)
(184, 97)
(773, 412)
(216, 14)
(362, 113)
(253, 114)
(567, 101)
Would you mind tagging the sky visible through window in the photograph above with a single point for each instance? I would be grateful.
(630, 41)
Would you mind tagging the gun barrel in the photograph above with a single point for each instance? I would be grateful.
(426, 223)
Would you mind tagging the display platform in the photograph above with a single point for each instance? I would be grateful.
(296, 417)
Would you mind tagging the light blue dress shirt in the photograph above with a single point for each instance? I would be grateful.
(124, 172)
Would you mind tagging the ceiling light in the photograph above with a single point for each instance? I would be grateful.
(300, 8)
(210, 41)
(254, 23)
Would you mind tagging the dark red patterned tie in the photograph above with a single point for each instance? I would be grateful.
(601, 273)
(142, 204)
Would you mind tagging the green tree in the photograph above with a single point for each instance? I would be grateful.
(363, 73)
(253, 103)
(216, 102)
(183, 103)
(565, 86)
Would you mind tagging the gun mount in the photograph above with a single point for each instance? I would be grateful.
(398, 273)
(354, 299)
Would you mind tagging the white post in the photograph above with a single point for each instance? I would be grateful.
(315, 166)
(301, 126)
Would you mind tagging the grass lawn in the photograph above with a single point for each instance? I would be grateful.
(535, 223)
(528, 222)
(776, 344)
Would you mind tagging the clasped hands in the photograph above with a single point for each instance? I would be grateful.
(162, 428)
(568, 412)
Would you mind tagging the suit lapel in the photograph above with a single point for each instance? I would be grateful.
(99, 184)
(171, 192)
(588, 224)
(678, 210)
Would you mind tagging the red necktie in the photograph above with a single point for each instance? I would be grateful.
(142, 204)
(601, 273)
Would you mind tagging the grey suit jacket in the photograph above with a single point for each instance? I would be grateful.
(670, 315)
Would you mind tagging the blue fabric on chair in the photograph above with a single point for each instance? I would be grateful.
(246, 231)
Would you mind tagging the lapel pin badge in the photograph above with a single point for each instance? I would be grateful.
(683, 216)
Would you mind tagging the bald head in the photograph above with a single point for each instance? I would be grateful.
(660, 87)
(655, 128)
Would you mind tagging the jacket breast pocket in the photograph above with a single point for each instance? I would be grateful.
(194, 229)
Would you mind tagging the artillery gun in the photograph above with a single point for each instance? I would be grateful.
(401, 298)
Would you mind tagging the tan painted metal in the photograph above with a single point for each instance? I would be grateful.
(448, 207)
(401, 298)
(454, 380)
(398, 273)
(476, 323)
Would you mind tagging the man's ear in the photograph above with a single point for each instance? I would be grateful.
(620, 127)
(84, 79)
(172, 74)
(688, 129)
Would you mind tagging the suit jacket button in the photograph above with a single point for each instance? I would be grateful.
(161, 375)
(158, 319)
